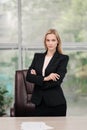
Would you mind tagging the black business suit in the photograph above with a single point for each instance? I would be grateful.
(48, 91)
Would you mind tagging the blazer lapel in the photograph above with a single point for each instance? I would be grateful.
(52, 61)
(41, 62)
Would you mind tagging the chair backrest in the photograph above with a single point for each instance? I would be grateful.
(23, 93)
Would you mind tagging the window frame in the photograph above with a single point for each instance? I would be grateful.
(6, 46)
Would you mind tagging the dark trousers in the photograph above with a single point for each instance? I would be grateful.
(43, 110)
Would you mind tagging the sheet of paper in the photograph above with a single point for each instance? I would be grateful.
(35, 126)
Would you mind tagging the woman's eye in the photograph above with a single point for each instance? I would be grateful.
(47, 40)
(53, 40)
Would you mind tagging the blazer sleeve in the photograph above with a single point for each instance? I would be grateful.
(34, 78)
(62, 69)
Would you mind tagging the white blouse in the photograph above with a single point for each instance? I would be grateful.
(46, 62)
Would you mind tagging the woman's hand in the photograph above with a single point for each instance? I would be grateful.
(33, 71)
(52, 76)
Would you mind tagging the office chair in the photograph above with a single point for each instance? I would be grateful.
(23, 91)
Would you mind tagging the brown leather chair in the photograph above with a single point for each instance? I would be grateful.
(23, 92)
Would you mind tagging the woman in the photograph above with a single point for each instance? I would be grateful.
(47, 72)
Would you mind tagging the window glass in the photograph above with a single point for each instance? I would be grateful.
(75, 83)
(68, 17)
(8, 66)
(8, 21)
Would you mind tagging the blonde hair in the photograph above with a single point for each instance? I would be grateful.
(53, 31)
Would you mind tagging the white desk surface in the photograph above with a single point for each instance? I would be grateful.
(58, 123)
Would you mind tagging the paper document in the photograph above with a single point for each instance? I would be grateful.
(35, 126)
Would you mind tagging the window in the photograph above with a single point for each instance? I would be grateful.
(68, 17)
(8, 21)
(23, 24)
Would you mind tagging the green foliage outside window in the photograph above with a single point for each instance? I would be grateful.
(76, 81)
(5, 100)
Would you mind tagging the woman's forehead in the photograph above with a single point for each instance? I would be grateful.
(50, 36)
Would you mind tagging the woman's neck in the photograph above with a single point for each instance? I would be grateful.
(50, 53)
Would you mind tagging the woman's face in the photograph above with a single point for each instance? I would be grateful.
(51, 42)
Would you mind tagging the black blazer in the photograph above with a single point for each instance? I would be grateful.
(50, 91)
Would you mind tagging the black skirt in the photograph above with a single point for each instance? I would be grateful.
(43, 110)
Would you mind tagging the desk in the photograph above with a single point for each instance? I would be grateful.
(58, 123)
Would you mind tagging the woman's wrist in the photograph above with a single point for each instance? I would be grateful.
(45, 79)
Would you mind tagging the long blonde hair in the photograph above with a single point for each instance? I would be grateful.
(53, 31)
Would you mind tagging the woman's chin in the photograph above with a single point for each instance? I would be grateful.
(51, 49)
